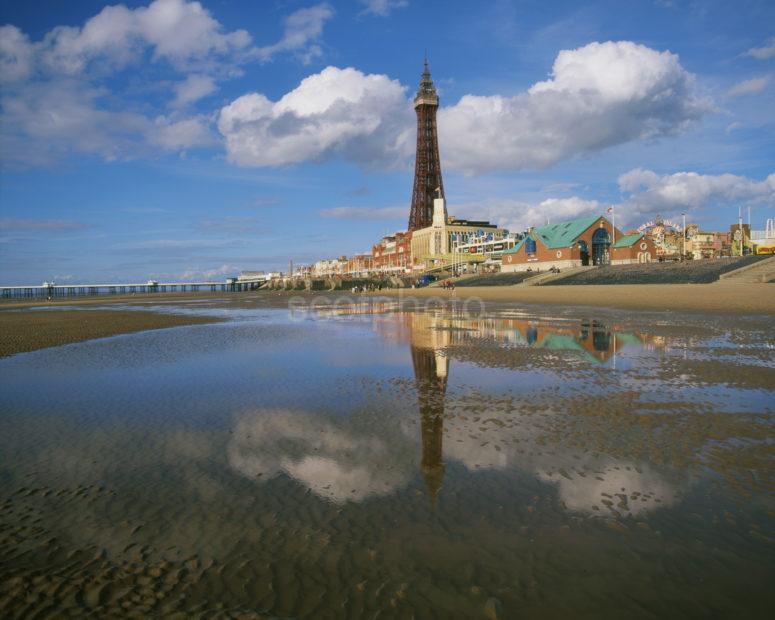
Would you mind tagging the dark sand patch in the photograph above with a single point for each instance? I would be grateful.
(37, 329)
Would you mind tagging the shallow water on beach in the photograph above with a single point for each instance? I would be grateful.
(377, 460)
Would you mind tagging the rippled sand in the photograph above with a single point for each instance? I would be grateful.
(388, 464)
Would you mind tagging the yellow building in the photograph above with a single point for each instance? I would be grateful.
(433, 245)
(764, 240)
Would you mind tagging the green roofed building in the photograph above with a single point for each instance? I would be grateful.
(577, 243)
(628, 240)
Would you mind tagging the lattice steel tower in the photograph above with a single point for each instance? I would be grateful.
(427, 167)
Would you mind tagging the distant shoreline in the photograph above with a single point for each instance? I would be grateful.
(25, 328)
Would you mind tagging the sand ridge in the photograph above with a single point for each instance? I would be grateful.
(37, 329)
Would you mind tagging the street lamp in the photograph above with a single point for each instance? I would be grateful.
(683, 234)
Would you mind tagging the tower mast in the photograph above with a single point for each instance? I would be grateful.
(427, 167)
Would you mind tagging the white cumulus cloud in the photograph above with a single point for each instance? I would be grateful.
(362, 118)
(175, 135)
(598, 96)
(45, 121)
(180, 32)
(59, 95)
(192, 89)
(216, 273)
(302, 30)
(748, 87)
(517, 215)
(763, 53)
(649, 192)
(382, 8)
(16, 54)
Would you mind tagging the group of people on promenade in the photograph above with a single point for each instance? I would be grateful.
(366, 288)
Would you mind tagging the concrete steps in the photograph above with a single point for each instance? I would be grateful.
(762, 271)
(453, 279)
(543, 278)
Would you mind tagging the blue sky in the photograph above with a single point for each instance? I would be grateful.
(183, 140)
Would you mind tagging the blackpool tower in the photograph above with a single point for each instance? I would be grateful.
(427, 167)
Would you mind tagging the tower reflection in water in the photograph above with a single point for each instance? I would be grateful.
(430, 371)
(434, 337)
(431, 368)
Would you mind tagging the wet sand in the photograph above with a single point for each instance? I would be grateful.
(425, 464)
(718, 297)
(37, 329)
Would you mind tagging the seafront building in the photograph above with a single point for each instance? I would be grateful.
(763, 241)
(577, 243)
(249, 276)
(437, 244)
(667, 237)
(392, 253)
(359, 265)
(329, 267)
(705, 244)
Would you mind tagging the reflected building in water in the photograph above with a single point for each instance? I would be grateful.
(433, 336)
(590, 339)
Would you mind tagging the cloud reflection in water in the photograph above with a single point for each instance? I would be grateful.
(333, 463)
(343, 464)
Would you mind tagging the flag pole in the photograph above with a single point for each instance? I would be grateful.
(613, 223)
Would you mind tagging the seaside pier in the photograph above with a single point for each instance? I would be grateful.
(49, 290)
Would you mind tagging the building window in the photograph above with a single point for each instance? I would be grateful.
(643, 246)
(559, 253)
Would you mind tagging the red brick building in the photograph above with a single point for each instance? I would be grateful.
(634, 248)
(359, 265)
(587, 241)
(393, 253)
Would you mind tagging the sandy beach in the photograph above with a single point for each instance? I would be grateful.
(717, 298)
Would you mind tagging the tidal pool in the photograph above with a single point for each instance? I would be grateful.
(369, 459)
